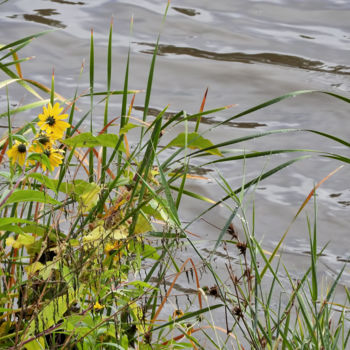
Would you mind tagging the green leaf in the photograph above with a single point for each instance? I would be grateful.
(35, 229)
(13, 220)
(80, 187)
(52, 313)
(30, 196)
(11, 228)
(125, 129)
(20, 138)
(36, 344)
(194, 141)
(86, 139)
(149, 252)
(141, 285)
(108, 140)
(43, 179)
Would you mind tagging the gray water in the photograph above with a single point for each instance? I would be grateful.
(245, 52)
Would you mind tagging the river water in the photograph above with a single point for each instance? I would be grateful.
(245, 52)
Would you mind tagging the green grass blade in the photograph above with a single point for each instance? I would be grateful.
(20, 81)
(24, 40)
(92, 79)
(188, 315)
(25, 108)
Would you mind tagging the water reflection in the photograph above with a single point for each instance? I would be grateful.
(188, 12)
(43, 20)
(204, 120)
(68, 2)
(264, 57)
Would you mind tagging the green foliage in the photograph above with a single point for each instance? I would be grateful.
(92, 250)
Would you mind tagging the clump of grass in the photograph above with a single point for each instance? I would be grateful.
(91, 230)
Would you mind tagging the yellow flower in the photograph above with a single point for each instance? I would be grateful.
(41, 142)
(98, 306)
(51, 121)
(55, 158)
(17, 153)
(178, 313)
(114, 249)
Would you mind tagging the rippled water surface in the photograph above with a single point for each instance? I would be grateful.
(245, 52)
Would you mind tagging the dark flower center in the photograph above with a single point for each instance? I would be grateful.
(22, 148)
(50, 120)
(43, 140)
(47, 152)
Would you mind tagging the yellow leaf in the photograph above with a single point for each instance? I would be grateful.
(34, 267)
(96, 234)
(88, 199)
(25, 239)
(11, 242)
(119, 233)
(142, 225)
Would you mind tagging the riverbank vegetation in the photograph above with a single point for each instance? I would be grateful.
(92, 238)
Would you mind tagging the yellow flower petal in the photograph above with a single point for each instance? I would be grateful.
(17, 153)
(98, 306)
(51, 121)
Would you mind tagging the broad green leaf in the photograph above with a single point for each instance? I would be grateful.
(43, 179)
(141, 284)
(36, 344)
(76, 187)
(107, 140)
(20, 138)
(11, 228)
(149, 252)
(85, 139)
(194, 141)
(51, 313)
(35, 229)
(125, 129)
(88, 140)
(31, 196)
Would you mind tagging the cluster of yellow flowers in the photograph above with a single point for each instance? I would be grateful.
(52, 128)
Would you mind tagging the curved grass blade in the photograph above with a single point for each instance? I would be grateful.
(25, 107)
(296, 215)
(7, 82)
(23, 40)
(188, 315)
(251, 183)
(20, 81)
(258, 154)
